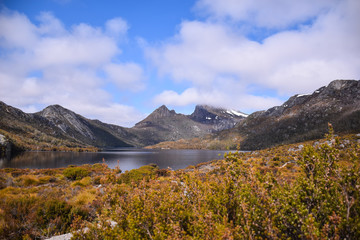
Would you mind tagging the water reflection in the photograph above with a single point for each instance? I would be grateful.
(126, 159)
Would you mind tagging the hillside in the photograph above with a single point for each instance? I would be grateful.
(80, 128)
(302, 117)
(300, 191)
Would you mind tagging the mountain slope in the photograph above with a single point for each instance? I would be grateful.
(80, 128)
(305, 117)
(32, 130)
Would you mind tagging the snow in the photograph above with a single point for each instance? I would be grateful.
(236, 113)
(301, 95)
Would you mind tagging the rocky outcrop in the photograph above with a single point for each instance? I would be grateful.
(5, 146)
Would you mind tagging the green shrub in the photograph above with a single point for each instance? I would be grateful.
(86, 181)
(76, 173)
(136, 175)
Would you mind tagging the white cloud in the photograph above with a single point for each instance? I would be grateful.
(16, 30)
(269, 14)
(50, 25)
(216, 97)
(111, 113)
(287, 62)
(47, 63)
(128, 75)
(116, 27)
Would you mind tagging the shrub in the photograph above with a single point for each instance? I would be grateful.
(83, 198)
(28, 180)
(76, 173)
(56, 216)
(136, 175)
(86, 181)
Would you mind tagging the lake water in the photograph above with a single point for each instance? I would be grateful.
(126, 159)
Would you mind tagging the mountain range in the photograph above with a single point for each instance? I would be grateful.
(302, 117)
(56, 125)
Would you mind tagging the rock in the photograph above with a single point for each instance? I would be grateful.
(67, 236)
(5, 146)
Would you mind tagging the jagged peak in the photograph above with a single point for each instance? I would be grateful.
(162, 108)
(161, 112)
(217, 110)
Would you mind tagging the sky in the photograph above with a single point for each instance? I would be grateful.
(117, 61)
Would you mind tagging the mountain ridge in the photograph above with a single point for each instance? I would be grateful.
(302, 117)
(60, 124)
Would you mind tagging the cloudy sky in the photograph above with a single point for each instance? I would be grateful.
(119, 60)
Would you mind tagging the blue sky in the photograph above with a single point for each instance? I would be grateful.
(119, 60)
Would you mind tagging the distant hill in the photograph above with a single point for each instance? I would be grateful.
(302, 117)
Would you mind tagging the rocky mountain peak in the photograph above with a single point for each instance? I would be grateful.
(162, 112)
(66, 120)
(220, 118)
(206, 112)
(54, 111)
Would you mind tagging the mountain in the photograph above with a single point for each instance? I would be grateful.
(304, 117)
(167, 125)
(80, 128)
(300, 118)
(31, 129)
(56, 125)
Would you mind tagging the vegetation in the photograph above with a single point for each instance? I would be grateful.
(304, 191)
(41, 142)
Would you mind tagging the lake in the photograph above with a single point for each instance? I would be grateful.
(126, 159)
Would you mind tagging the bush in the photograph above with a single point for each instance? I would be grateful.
(76, 173)
(136, 175)
(86, 181)
(56, 216)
